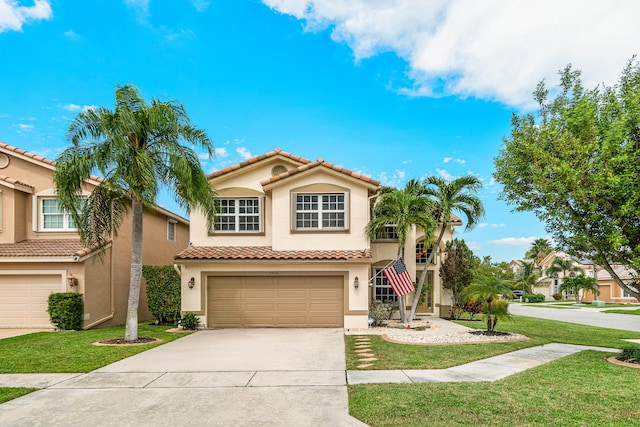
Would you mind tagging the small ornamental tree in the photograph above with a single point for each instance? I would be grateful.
(456, 272)
(573, 285)
(163, 292)
(488, 290)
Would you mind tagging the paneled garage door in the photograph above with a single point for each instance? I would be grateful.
(23, 300)
(282, 301)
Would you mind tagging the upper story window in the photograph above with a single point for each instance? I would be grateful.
(390, 232)
(171, 230)
(320, 211)
(238, 215)
(53, 217)
(422, 254)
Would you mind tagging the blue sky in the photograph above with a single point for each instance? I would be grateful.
(395, 90)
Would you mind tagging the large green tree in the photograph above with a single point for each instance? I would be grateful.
(457, 271)
(457, 195)
(576, 166)
(138, 148)
(404, 208)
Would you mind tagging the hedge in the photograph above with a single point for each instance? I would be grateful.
(163, 292)
(65, 310)
(533, 298)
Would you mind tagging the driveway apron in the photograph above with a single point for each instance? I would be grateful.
(239, 377)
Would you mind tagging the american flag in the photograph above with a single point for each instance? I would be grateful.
(399, 278)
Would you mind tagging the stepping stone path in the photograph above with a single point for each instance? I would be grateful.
(365, 354)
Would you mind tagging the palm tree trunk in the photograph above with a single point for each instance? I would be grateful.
(416, 297)
(131, 329)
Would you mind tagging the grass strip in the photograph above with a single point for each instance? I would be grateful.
(70, 352)
(7, 394)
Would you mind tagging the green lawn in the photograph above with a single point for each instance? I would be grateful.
(404, 356)
(635, 312)
(7, 394)
(62, 352)
(579, 390)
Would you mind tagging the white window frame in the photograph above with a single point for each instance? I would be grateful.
(172, 229)
(66, 217)
(320, 211)
(237, 215)
(421, 257)
(381, 284)
(390, 232)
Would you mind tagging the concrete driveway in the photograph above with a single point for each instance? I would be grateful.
(240, 377)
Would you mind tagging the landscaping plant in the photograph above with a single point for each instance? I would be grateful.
(163, 293)
(65, 310)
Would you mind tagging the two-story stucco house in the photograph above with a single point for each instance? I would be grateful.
(41, 252)
(289, 248)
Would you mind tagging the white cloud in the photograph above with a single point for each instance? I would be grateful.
(71, 34)
(200, 5)
(244, 153)
(497, 225)
(444, 174)
(482, 225)
(25, 127)
(221, 152)
(447, 159)
(474, 246)
(451, 159)
(76, 107)
(520, 242)
(13, 16)
(492, 49)
(395, 179)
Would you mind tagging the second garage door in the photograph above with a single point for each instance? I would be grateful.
(23, 300)
(281, 301)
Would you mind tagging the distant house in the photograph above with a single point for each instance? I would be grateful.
(41, 252)
(609, 289)
(289, 249)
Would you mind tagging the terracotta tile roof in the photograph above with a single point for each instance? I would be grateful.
(36, 157)
(14, 181)
(311, 165)
(266, 252)
(44, 248)
(455, 219)
(256, 159)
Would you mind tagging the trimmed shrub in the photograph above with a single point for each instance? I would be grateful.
(533, 298)
(473, 307)
(630, 353)
(189, 321)
(65, 310)
(163, 292)
(380, 311)
(557, 297)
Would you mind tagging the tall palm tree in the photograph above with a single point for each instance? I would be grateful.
(576, 284)
(404, 209)
(561, 265)
(456, 195)
(527, 277)
(539, 249)
(137, 148)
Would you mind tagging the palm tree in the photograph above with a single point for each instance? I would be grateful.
(488, 289)
(137, 148)
(404, 209)
(576, 284)
(449, 196)
(539, 249)
(527, 277)
(561, 265)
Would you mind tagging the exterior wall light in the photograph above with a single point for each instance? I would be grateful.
(192, 282)
(356, 282)
(72, 281)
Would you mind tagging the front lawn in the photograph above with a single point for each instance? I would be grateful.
(7, 394)
(405, 356)
(578, 390)
(70, 352)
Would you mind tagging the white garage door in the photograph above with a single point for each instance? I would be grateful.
(289, 301)
(23, 300)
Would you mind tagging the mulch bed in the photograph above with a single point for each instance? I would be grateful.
(122, 341)
(629, 363)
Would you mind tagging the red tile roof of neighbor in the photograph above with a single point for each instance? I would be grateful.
(14, 181)
(36, 157)
(267, 253)
(44, 248)
(306, 165)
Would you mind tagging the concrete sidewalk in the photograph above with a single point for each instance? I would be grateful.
(491, 369)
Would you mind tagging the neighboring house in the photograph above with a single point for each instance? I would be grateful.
(289, 248)
(609, 290)
(41, 252)
(516, 266)
(549, 284)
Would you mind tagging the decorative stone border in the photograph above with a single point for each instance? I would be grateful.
(452, 339)
(180, 331)
(615, 361)
(126, 344)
